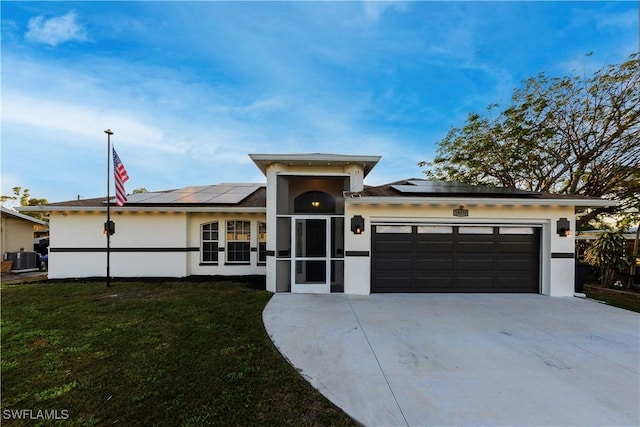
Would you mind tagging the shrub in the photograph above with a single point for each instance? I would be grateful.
(608, 253)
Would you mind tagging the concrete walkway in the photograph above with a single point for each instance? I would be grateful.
(465, 359)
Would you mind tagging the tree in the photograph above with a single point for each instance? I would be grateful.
(608, 253)
(25, 200)
(564, 135)
(16, 196)
(140, 190)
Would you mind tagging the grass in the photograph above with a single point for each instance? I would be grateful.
(170, 353)
(629, 300)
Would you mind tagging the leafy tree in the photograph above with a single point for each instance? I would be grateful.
(140, 190)
(564, 135)
(16, 196)
(25, 200)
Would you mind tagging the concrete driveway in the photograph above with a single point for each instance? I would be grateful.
(465, 359)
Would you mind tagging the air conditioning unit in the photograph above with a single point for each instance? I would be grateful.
(22, 260)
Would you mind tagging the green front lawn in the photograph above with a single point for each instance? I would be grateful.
(168, 353)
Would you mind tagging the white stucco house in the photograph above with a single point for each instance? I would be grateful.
(315, 227)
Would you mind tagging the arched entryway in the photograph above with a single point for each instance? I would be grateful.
(318, 238)
(314, 202)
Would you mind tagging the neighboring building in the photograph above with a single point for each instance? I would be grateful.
(314, 227)
(18, 230)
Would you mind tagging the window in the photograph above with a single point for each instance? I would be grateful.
(475, 230)
(435, 229)
(238, 241)
(393, 229)
(209, 248)
(517, 230)
(262, 242)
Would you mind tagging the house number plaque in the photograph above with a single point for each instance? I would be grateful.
(461, 211)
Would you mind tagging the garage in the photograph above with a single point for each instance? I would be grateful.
(455, 258)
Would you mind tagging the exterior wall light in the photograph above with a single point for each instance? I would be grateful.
(109, 228)
(357, 224)
(563, 227)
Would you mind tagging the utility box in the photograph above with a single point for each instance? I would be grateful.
(22, 260)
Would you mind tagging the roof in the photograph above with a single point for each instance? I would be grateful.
(18, 215)
(420, 190)
(223, 197)
(252, 197)
(416, 186)
(315, 159)
(423, 187)
(220, 194)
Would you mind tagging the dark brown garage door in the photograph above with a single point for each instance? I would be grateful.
(438, 258)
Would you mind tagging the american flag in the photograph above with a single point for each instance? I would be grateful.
(120, 174)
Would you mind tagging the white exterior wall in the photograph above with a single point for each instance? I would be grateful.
(78, 245)
(557, 274)
(195, 267)
(157, 244)
(272, 206)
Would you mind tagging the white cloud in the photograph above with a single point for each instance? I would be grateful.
(81, 120)
(57, 30)
(373, 10)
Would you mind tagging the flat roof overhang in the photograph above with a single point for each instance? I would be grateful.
(315, 159)
(504, 201)
(8, 213)
(115, 209)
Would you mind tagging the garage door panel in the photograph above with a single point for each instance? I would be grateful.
(393, 247)
(434, 284)
(477, 283)
(515, 247)
(434, 238)
(471, 265)
(513, 265)
(475, 247)
(435, 264)
(427, 247)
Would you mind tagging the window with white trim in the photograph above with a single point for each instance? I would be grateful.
(209, 243)
(238, 242)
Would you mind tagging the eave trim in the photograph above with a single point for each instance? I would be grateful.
(194, 209)
(582, 203)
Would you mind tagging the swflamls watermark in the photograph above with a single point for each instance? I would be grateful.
(35, 414)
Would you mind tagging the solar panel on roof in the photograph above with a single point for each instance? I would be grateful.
(140, 197)
(214, 194)
(227, 198)
(169, 197)
(432, 187)
(241, 190)
(425, 182)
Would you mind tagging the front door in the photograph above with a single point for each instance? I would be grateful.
(311, 272)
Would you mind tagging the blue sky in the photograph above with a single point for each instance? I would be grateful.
(190, 88)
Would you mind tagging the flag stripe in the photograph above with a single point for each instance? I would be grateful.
(121, 176)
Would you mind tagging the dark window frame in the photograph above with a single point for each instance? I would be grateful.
(262, 243)
(238, 241)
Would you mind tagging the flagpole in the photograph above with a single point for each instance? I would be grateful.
(107, 224)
